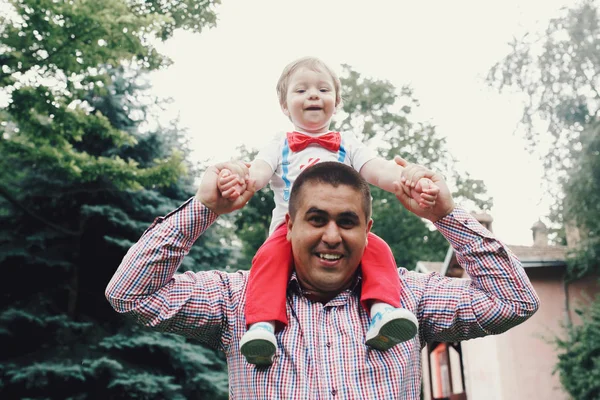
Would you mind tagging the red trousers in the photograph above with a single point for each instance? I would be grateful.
(272, 267)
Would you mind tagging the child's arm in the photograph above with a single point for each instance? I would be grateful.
(261, 173)
(386, 174)
(231, 183)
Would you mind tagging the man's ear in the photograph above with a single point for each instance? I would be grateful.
(289, 222)
(369, 226)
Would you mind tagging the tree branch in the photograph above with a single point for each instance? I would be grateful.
(34, 62)
(17, 204)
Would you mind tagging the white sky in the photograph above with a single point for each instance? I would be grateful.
(223, 80)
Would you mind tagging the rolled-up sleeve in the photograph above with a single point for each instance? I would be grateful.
(497, 297)
(146, 287)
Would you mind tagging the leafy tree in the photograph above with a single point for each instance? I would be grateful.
(52, 53)
(579, 358)
(81, 177)
(252, 222)
(383, 116)
(558, 72)
(85, 342)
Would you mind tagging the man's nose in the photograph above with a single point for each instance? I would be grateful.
(331, 234)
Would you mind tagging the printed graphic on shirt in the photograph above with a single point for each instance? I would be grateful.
(311, 161)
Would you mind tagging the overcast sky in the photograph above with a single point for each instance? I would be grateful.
(223, 80)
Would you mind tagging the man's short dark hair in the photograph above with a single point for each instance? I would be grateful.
(335, 174)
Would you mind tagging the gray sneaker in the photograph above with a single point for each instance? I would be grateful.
(390, 327)
(258, 344)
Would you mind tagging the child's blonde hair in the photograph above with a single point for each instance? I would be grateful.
(313, 64)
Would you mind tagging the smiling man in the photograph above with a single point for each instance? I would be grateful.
(321, 353)
(328, 223)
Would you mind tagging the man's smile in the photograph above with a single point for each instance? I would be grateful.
(329, 256)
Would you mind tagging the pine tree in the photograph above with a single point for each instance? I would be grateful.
(58, 327)
(80, 180)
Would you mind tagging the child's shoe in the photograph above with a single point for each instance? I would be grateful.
(258, 344)
(390, 327)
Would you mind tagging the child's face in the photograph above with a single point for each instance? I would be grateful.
(310, 100)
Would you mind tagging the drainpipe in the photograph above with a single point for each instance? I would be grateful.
(565, 283)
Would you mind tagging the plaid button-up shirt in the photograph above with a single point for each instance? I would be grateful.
(321, 353)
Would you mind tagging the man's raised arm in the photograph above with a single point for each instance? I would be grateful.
(145, 284)
(499, 294)
(497, 297)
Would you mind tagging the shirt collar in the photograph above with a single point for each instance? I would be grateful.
(340, 299)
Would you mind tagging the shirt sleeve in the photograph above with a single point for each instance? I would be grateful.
(271, 152)
(200, 305)
(358, 153)
(497, 297)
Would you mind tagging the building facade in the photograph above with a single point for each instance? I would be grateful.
(518, 364)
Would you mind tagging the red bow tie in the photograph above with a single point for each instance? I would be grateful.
(298, 141)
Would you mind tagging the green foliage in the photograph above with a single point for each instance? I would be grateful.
(55, 53)
(196, 368)
(558, 71)
(579, 358)
(73, 37)
(72, 263)
(582, 203)
(410, 239)
(82, 175)
(383, 115)
(252, 222)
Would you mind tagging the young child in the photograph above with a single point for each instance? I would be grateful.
(309, 94)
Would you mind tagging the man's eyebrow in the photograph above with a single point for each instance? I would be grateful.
(349, 214)
(345, 214)
(316, 210)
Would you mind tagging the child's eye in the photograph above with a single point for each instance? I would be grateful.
(300, 90)
(325, 90)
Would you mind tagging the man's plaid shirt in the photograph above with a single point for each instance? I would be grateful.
(321, 353)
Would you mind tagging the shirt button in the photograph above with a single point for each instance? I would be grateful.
(333, 392)
(328, 344)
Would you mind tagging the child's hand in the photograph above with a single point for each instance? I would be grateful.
(230, 185)
(425, 193)
(406, 191)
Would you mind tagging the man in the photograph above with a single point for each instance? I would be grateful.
(321, 353)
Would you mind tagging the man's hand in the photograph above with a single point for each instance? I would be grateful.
(406, 191)
(210, 195)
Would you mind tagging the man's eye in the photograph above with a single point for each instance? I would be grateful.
(346, 223)
(317, 220)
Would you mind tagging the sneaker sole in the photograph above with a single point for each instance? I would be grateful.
(258, 352)
(392, 333)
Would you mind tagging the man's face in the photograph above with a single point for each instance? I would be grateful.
(328, 236)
